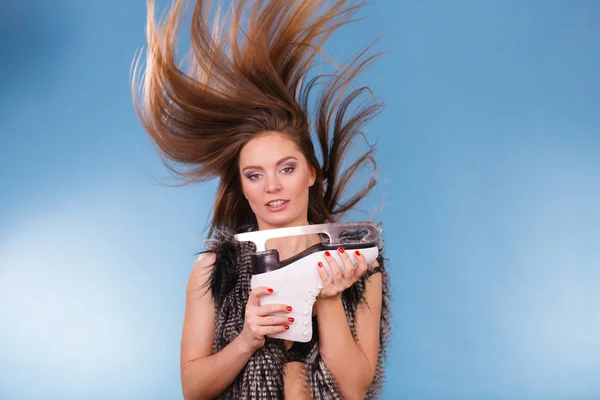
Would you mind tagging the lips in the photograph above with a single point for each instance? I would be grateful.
(280, 205)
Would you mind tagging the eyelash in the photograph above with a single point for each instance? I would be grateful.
(251, 176)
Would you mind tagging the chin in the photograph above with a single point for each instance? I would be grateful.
(277, 222)
(280, 221)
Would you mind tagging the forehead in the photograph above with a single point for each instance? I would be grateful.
(268, 148)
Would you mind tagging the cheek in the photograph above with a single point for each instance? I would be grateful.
(245, 188)
(249, 190)
(301, 184)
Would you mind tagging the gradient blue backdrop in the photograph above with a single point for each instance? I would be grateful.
(490, 185)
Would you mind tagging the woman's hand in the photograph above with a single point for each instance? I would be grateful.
(340, 280)
(259, 322)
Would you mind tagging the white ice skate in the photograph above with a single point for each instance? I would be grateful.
(295, 281)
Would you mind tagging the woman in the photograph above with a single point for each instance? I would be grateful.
(241, 114)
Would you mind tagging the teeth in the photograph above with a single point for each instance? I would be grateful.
(276, 203)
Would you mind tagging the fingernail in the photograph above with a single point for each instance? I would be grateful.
(291, 319)
(287, 327)
(340, 250)
(327, 254)
(357, 253)
(270, 290)
(320, 264)
(289, 308)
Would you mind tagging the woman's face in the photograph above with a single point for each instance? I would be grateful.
(275, 179)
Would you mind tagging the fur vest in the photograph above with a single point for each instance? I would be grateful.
(263, 375)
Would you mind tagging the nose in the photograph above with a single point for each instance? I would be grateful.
(273, 184)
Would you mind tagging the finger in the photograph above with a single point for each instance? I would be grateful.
(274, 320)
(336, 273)
(271, 330)
(362, 264)
(325, 279)
(256, 294)
(347, 263)
(269, 309)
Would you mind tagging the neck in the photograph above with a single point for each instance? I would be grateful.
(291, 245)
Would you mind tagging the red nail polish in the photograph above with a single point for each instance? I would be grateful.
(291, 319)
(270, 290)
(327, 254)
(320, 264)
(357, 253)
(287, 327)
(289, 308)
(340, 250)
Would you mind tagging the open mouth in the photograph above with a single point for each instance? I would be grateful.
(277, 205)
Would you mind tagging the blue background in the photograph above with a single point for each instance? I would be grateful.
(489, 190)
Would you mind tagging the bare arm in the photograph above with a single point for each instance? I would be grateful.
(352, 362)
(205, 375)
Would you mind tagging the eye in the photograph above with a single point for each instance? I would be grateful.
(253, 176)
(288, 170)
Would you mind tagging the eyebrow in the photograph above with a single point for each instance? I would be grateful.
(278, 163)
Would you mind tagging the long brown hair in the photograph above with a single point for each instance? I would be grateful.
(245, 82)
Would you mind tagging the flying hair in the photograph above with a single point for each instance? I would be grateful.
(250, 73)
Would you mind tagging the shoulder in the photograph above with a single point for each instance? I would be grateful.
(202, 270)
(374, 268)
(204, 261)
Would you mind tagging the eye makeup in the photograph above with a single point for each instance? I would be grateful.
(251, 175)
(287, 169)
(290, 166)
